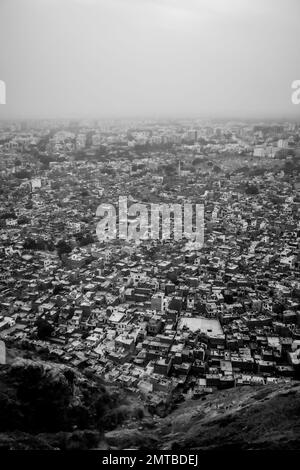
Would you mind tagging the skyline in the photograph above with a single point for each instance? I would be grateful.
(148, 58)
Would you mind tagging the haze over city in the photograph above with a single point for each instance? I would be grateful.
(149, 230)
(119, 58)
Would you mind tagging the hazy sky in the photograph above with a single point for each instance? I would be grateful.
(102, 58)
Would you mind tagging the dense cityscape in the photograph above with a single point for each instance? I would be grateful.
(164, 319)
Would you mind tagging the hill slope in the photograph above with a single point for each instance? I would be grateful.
(48, 406)
(265, 417)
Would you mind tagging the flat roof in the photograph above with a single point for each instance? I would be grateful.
(210, 326)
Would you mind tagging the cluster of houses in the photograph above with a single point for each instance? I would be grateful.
(156, 316)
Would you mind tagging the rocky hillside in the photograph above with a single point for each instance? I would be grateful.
(265, 417)
(48, 406)
(45, 405)
(259, 418)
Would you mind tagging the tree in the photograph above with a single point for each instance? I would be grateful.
(251, 189)
(23, 220)
(172, 276)
(22, 174)
(84, 238)
(44, 328)
(63, 247)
